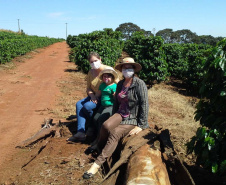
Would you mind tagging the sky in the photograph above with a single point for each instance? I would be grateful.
(60, 18)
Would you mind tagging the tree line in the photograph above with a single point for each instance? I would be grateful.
(183, 36)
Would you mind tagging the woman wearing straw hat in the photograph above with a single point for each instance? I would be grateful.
(130, 113)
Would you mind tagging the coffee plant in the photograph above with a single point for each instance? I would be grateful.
(209, 143)
(177, 63)
(195, 56)
(107, 43)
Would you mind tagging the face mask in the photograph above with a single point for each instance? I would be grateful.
(106, 81)
(128, 73)
(95, 65)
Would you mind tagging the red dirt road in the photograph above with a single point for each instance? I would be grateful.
(27, 93)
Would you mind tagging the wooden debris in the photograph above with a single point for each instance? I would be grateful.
(47, 130)
(39, 151)
(112, 179)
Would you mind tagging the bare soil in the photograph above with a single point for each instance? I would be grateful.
(44, 84)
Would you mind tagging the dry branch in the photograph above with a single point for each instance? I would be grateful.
(39, 151)
(47, 130)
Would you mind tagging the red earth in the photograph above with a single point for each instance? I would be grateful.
(27, 92)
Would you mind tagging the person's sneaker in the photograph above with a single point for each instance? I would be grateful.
(90, 132)
(79, 136)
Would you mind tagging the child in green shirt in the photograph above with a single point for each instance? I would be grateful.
(106, 91)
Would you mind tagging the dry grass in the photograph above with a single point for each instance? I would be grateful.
(7, 66)
(175, 112)
(72, 89)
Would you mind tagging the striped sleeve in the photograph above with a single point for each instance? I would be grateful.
(142, 94)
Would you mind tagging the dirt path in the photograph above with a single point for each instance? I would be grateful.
(27, 93)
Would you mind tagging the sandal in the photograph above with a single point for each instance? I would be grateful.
(87, 175)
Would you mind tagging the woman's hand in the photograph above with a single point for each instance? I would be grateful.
(94, 99)
(136, 130)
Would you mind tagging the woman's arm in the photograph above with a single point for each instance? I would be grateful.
(142, 93)
(89, 91)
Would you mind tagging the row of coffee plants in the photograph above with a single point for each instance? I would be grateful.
(186, 62)
(159, 60)
(14, 44)
(107, 43)
(209, 143)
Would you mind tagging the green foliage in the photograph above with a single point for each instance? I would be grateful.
(195, 56)
(107, 43)
(177, 63)
(148, 52)
(209, 143)
(14, 44)
(186, 62)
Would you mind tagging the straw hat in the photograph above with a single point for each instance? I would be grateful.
(128, 60)
(109, 70)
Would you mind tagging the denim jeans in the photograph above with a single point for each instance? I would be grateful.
(84, 111)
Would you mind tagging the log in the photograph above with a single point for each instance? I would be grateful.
(132, 144)
(146, 167)
(47, 130)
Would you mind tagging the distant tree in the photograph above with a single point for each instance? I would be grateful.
(218, 39)
(208, 39)
(184, 36)
(128, 29)
(148, 33)
(22, 32)
(165, 34)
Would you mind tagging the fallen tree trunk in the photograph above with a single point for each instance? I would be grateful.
(130, 145)
(150, 159)
(47, 130)
(146, 167)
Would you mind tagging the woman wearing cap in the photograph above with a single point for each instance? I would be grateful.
(85, 107)
(130, 113)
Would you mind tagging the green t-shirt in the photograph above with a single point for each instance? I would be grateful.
(107, 92)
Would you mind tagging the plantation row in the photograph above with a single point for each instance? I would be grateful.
(14, 44)
(201, 67)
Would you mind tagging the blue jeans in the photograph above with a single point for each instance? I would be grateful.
(84, 111)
